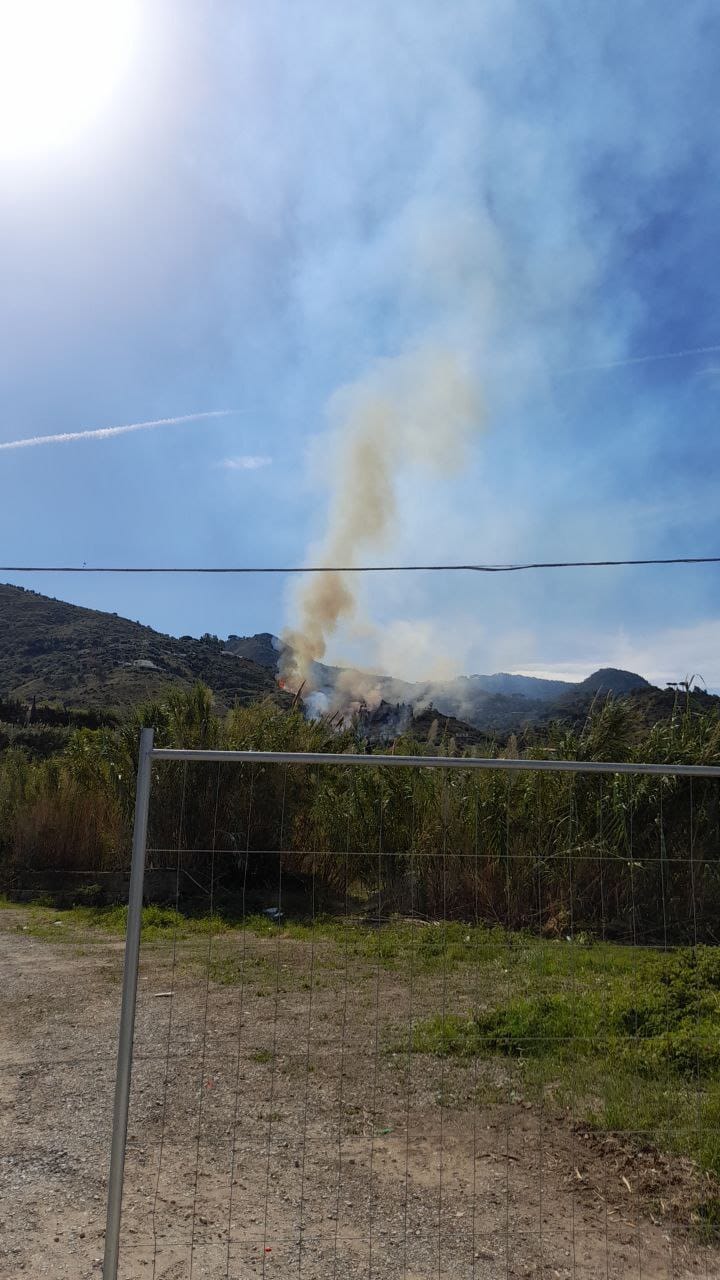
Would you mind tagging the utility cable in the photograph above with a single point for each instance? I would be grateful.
(364, 568)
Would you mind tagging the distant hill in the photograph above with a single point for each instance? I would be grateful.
(489, 704)
(649, 703)
(82, 658)
(612, 680)
(79, 657)
(527, 686)
(263, 648)
(506, 702)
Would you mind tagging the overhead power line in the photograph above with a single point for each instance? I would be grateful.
(361, 568)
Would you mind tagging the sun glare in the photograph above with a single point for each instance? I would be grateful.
(60, 62)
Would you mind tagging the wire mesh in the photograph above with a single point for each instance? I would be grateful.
(381, 1232)
(419, 1023)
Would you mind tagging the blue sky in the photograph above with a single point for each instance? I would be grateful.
(278, 195)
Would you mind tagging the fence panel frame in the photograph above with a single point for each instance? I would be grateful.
(149, 754)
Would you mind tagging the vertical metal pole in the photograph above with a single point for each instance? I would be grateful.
(127, 1011)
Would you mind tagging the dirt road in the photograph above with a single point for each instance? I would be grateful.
(278, 1128)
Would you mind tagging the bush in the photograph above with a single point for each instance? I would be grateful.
(601, 856)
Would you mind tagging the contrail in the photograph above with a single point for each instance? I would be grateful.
(621, 364)
(103, 433)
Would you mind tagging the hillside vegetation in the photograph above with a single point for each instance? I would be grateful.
(83, 658)
(482, 705)
(79, 659)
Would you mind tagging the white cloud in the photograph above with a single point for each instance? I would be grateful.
(672, 653)
(573, 672)
(246, 462)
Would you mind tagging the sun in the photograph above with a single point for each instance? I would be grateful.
(60, 63)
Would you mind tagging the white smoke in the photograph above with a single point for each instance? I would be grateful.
(421, 408)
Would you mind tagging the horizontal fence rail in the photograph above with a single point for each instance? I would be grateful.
(435, 762)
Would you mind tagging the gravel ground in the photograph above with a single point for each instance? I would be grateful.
(273, 1133)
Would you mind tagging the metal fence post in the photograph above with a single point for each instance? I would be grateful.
(127, 1012)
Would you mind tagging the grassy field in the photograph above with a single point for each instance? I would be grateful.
(624, 1039)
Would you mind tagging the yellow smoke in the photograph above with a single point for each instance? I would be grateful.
(421, 407)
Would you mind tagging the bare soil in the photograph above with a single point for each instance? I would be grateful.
(279, 1128)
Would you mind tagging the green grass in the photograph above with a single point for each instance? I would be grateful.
(629, 1038)
(261, 1055)
(230, 970)
(630, 1041)
(69, 924)
(397, 945)
(428, 948)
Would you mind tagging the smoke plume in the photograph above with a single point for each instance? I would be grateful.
(420, 408)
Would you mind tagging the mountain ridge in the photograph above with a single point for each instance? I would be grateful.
(83, 658)
(266, 649)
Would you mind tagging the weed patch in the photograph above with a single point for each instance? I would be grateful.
(634, 1050)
